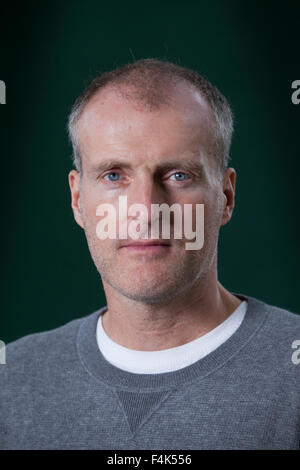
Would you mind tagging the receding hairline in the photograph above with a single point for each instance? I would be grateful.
(117, 94)
(177, 96)
(150, 84)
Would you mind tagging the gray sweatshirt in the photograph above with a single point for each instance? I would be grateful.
(57, 391)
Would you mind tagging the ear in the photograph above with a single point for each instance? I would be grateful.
(229, 180)
(74, 183)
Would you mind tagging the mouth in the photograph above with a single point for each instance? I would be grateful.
(149, 246)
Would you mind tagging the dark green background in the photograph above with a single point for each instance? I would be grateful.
(250, 50)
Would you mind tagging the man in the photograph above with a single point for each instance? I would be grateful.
(175, 360)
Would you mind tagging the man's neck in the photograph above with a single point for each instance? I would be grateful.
(145, 327)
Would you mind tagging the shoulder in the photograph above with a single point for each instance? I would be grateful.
(38, 350)
(277, 340)
(278, 318)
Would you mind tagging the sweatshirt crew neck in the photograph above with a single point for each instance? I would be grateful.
(172, 359)
(59, 392)
(96, 364)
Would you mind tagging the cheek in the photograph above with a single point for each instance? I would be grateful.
(214, 213)
(89, 217)
(211, 198)
(90, 200)
(89, 211)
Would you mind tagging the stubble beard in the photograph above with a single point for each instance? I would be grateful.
(174, 278)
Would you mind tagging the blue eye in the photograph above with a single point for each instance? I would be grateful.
(179, 176)
(112, 176)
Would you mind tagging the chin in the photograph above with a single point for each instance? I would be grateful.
(159, 283)
(149, 297)
(149, 291)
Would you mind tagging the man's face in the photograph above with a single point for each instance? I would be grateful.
(162, 156)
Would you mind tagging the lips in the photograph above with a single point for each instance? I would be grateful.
(145, 244)
(152, 248)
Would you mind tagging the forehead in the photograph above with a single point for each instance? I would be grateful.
(112, 126)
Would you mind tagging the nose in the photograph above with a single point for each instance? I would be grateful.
(145, 191)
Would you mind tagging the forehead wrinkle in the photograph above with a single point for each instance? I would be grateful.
(93, 119)
(192, 165)
(184, 100)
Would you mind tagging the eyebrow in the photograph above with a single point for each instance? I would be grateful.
(109, 164)
(192, 165)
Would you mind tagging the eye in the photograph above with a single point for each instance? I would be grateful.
(112, 176)
(179, 176)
